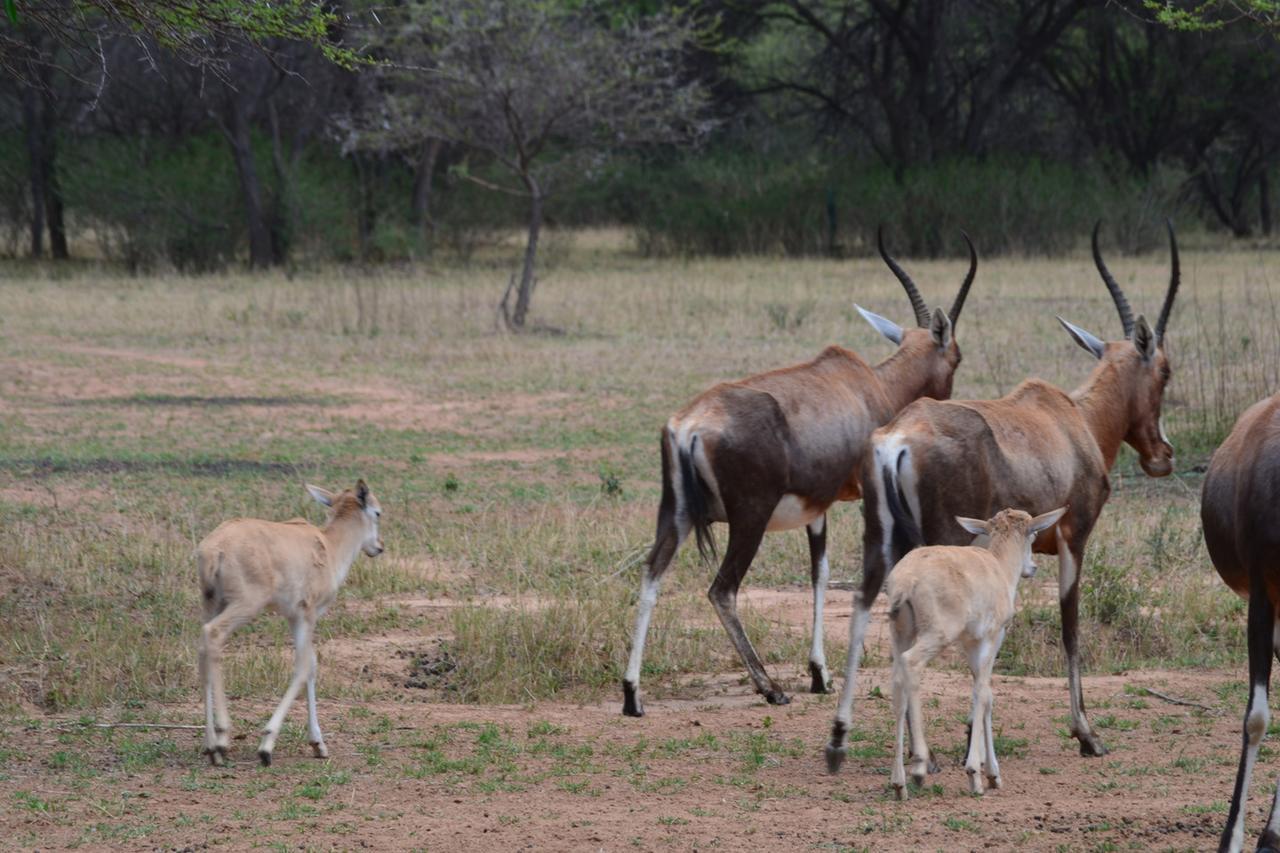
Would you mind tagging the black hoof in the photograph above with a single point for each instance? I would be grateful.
(631, 706)
(264, 757)
(217, 755)
(918, 780)
(934, 766)
(777, 697)
(835, 758)
(1091, 746)
(817, 682)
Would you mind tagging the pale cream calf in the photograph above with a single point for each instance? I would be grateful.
(247, 565)
(947, 594)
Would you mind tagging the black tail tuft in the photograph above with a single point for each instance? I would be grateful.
(906, 532)
(695, 502)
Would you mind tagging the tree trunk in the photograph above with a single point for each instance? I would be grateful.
(240, 137)
(527, 279)
(283, 216)
(1264, 202)
(52, 187)
(420, 212)
(35, 158)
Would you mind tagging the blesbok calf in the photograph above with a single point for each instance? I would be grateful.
(944, 595)
(1240, 510)
(774, 452)
(1036, 448)
(247, 565)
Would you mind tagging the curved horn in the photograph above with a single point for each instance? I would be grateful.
(917, 303)
(1122, 304)
(1174, 278)
(958, 305)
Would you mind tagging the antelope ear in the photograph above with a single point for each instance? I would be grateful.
(940, 328)
(1144, 340)
(1086, 340)
(1044, 522)
(324, 497)
(883, 325)
(975, 526)
(362, 493)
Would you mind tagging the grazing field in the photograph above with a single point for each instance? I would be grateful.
(469, 676)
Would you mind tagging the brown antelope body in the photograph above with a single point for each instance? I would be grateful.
(945, 595)
(1240, 510)
(774, 452)
(247, 565)
(1036, 448)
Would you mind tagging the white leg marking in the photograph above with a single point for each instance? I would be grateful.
(857, 632)
(644, 611)
(1255, 726)
(817, 655)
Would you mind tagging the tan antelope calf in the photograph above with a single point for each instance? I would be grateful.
(247, 565)
(1037, 447)
(773, 452)
(1240, 510)
(948, 594)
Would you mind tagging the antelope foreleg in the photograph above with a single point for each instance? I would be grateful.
(820, 573)
(1069, 601)
(1262, 624)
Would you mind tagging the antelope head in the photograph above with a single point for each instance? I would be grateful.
(932, 340)
(1013, 526)
(358, 503)
(1140, 363)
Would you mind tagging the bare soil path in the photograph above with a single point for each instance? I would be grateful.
(716, 769)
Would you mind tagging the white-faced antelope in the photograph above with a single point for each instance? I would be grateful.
(943, 595)
(773, 452)
(247, 565)
(1240, 510)
(1036, 448)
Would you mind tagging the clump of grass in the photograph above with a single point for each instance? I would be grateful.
(1144, 601)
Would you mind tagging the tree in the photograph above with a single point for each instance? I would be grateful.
(191, 29)
(917, 81)
(545, 89)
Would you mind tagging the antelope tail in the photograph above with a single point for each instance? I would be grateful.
(902, 615)
(906, 530)
(693, 490)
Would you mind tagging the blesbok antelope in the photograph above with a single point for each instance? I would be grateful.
(942, 595)
(247, 565)
(1240, 510)
(774, 452)
(1036, 448)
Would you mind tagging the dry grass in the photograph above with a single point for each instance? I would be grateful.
(135, 414)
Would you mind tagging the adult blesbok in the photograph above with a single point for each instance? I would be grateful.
(1240, 509)
(774, 452)
(1036, 448)
(247, 565)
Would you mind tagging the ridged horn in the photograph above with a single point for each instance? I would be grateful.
(917, 303)
(1174, 278)
(958, 305)
(1122, 304)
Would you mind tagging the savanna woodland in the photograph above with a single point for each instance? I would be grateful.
(456, 263)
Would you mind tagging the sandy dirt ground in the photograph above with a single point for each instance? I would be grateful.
(709, 767)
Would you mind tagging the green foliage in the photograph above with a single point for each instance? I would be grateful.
(736, 202)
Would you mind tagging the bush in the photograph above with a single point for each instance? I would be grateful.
(732, 203)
